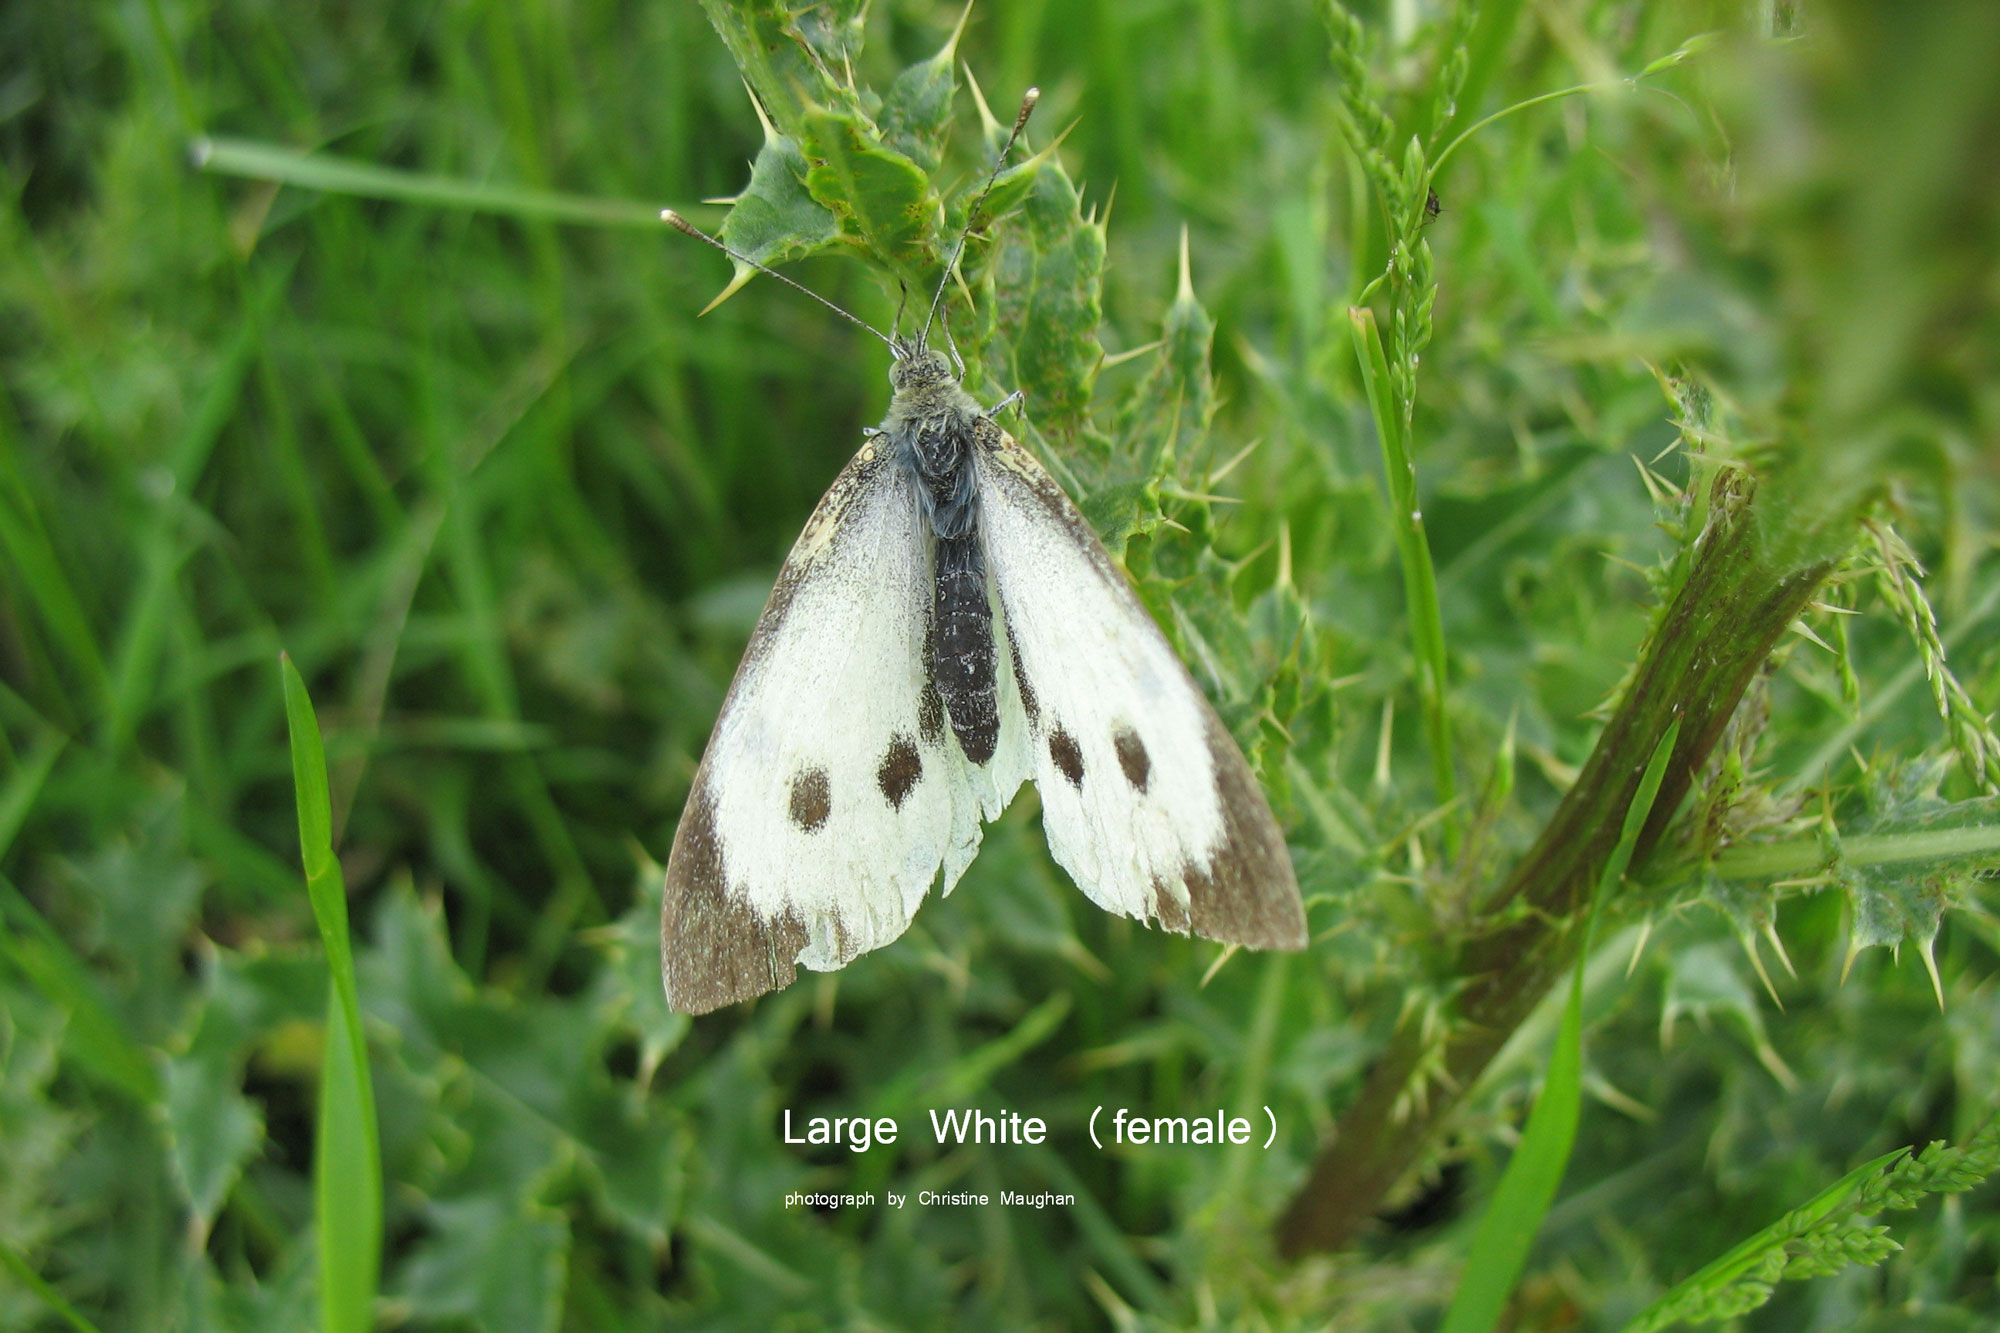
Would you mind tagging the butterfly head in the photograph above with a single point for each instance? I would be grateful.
(917, 368)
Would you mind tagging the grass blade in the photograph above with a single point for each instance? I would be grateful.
(34, 1282)
(1508, 1227)
(1420, 594)
(97, 1041)
(347, 1148)
(317, 171)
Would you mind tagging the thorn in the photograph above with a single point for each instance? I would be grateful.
(1230, 466)
(1228, 952)
(1186, 292)
(1382, 779)
(1854, 947)
(1122, 357)
(1618, 1100)
(1778, 948)
(1056, 143)
(1767, 1055)
(1749, 943)
(1284, 547)
(1930, 966)
(1639, 946)
(987, 124)
(950, 48)
(737, 283)
(1656, 490)
(770, 131)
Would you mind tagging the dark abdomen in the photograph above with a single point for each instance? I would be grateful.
(961, 640)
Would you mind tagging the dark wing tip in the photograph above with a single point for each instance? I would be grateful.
(1248, 893)
(716, 949)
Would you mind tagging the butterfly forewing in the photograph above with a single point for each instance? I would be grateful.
(832, 789)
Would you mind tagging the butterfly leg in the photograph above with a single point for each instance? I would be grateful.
(1003, 404)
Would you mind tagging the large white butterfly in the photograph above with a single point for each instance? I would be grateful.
(946, 627)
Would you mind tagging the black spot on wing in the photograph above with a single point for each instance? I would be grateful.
(901, 769)
(1132, 756)
(715, 949)
(812, 799)
(1029, 703)
(1067, 756)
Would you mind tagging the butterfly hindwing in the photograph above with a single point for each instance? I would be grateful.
(1147, 801)
(832, 789)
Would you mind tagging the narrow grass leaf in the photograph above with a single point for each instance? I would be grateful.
(18, 793)
(34, 1282)
(1512, 1219)
(95, 1039)
(347, 1149)
(1420, 593)
(39, 570)
(336, 175)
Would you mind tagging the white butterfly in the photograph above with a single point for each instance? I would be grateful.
(947, 626)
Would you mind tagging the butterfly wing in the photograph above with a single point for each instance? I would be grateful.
(832, 789)
(1146, 800)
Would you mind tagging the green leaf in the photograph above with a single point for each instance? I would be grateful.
(916, 111)
(347, 1148)
(144, 896)
(882, 199)
(497, 1264)
(628, 995)
(788, 54)
(1165, 416)
(212, 1130)
(775, 219)
(95, 1038)
(1047, 271)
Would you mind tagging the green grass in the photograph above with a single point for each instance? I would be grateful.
(1522, 1196)
(407, 385)
(347, 1146)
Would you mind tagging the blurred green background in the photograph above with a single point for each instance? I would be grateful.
(512, 509)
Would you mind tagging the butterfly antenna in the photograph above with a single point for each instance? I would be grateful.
(896, 324)
(1027, 108)
(681, 224)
